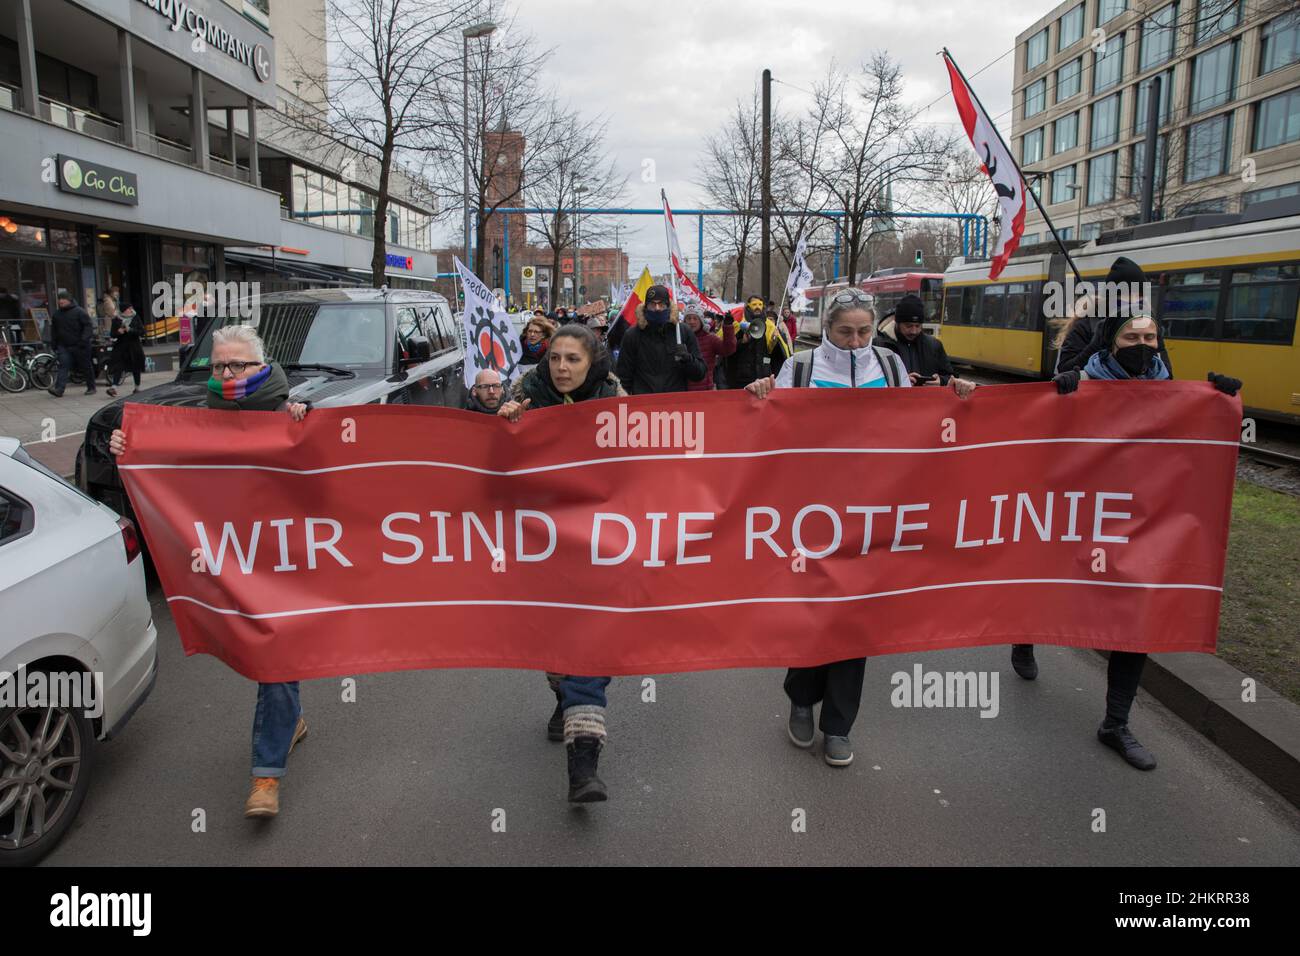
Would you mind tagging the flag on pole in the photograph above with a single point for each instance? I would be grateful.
(489, 338)
(688, 293)
(801, 277)
(636, 296)
(996, 161)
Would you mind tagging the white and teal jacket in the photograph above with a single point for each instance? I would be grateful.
(829, 366)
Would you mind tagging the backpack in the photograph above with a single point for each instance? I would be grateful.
(803, 362)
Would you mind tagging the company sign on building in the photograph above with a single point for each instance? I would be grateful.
(85, 178)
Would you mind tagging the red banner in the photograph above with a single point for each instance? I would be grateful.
(690, 531)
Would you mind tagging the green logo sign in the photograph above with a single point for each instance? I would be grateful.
(72, 173)
(85, 178)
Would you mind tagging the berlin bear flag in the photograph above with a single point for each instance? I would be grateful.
(686, 532)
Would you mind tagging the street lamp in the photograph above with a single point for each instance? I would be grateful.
(577, 243)
(474, 32)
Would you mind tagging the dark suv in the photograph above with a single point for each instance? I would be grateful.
(338, 347)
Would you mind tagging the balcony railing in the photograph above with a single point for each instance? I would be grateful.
(163, 148)
(83, 121)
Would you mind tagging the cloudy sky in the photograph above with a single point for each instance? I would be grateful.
(667, 73)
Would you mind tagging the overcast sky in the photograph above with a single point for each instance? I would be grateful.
(667, 73)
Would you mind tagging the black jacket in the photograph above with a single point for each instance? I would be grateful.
(646, 365)
(747, 363)
(925, 356)
(71, 327)
(1084, 338)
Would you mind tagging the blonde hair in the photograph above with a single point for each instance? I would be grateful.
(241, 335)
(544, 325)
(1084, 308)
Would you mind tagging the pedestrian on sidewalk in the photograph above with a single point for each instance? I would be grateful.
(128, 349)
(242, 380)
(846, 358)
(577, 368)
(1131, 351)
(71, 333)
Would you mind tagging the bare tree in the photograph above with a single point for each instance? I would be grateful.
(731, 176)
(574, 170)
(390, 73)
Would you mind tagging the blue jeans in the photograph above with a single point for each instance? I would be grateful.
(582, 691)
(274, 722)
(69, 354)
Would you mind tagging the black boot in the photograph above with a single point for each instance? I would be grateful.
(584, 785)
(1022, 660)
(555, 726)
(1120, 739)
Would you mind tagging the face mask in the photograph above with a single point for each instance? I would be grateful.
(1136, 359)
(658, 317)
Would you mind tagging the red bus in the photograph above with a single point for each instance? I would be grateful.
(888, 286)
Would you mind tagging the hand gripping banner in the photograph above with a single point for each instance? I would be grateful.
(686, 532)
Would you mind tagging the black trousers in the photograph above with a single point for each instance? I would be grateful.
(1123, 673)
(839, 688)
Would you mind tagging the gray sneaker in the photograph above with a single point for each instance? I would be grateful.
(801, 726)
(839, 751)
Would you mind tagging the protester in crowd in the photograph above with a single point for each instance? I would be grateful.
(846, 358)
(1079, 338)
(242, 380)
(923, 355)
(760, 349)
(537, 334)
(561, 316)
(791, 323)
(577, 368)
(655, 355)
(1131, 340)
(486, 393)
(598, 325)
(71, 333)
(128, 349)
(712, 346)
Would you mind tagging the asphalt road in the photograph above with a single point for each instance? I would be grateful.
(414, 771)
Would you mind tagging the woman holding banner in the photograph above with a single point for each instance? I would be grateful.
(1130, 351)
(242, 380)
(846, 358)
(577, 367)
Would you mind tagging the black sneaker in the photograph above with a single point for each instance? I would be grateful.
(555, 726)
(1121, 740)
(1022, 661)
(584, 785)
(56, 392)
(91, 390)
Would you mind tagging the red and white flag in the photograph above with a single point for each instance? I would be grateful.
(999, 165)
(687, 291)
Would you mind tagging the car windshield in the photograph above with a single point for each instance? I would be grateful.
(334, 334)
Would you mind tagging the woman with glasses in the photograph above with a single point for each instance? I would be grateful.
(242, 380)
(846, 358)
(537, 335)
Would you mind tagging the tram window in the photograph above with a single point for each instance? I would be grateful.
(1262, 304)
(1191, 302)
(970, 305)
(991, 308)
(952, 308)
(1020, 297)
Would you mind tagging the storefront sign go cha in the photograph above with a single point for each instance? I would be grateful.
(181, 14)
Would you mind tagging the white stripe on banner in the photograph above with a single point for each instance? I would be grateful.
(801, 599)
(684, 456)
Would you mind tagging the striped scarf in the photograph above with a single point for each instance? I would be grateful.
(237, 389)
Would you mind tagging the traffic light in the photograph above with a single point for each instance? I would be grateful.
(918, 257)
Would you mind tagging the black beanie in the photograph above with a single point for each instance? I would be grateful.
(657, 293)
(910, 308)
(1125, 269)
(1111, 324)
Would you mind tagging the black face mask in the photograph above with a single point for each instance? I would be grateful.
(1136, 359)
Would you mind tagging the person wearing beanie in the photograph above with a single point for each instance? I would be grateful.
(760, 349)
(712, 346)
(846, 358)
(657, 355)
(1130, 352)
(1126, 287)
(923, 355)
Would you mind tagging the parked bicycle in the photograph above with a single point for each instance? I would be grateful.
(25, 365)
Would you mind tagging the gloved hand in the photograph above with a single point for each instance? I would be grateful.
(1067, 382)
(680, 353)
(1224, 383)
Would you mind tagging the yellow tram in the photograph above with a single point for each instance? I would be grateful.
(1225, 288)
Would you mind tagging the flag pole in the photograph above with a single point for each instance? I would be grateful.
(672, 266)
(1043, 212)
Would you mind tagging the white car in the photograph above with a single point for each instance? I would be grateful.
(78, 647)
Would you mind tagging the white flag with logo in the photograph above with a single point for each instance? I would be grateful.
(489, 337)
(801, 277)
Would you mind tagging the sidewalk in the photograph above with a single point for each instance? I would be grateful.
(35, 417)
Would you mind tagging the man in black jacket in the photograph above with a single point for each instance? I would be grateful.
(71, 332)
(657, 356)
(760, 349)
(923, 355)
